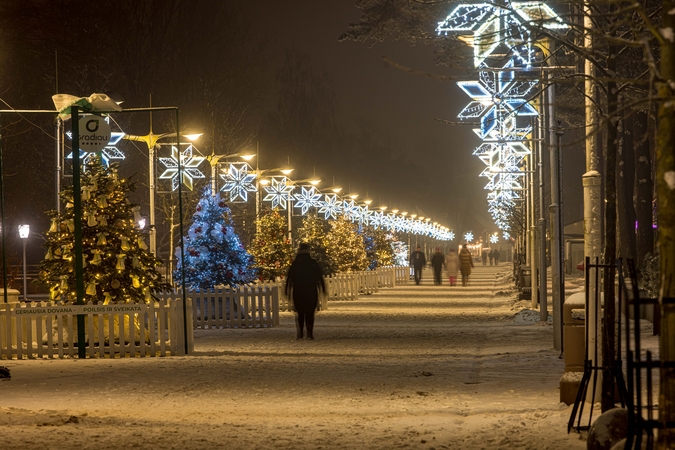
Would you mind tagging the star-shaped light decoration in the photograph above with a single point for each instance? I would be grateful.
(238, 182)
(494, 239)
(189, 164)
(376, 219)
(451, 235)
(506, 235)
(307, 198)
(468, 236)
(497, 99)
(364, 215)
(331, 206)
(108, 153)
(513, 24)
(278, 192)
(351, 210)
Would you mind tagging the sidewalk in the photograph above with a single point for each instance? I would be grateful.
(419, 367)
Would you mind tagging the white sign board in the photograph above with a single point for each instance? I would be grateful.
(68, 310)
(94, 133)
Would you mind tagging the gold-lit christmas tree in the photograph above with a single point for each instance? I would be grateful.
(345, 248)
(118, 268)
(271, 249)
(379, 249)
(313, 233)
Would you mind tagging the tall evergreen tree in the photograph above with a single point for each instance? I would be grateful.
(271, 250)
(214, 254)
(313, 232)
(117, 264)
(345, 247)
(378, 245)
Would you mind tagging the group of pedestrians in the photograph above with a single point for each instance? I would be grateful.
(493, 255)
(452, 262)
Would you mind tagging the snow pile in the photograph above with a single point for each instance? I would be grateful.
(526, 317)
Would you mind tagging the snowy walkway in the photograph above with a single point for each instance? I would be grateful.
(418, 367)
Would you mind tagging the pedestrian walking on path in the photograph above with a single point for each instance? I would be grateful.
(417, 261)
(437, 262)
(496, 257)
(452, 266)
(303, 282)
(484, 256)
(465, 264)
(491, 255)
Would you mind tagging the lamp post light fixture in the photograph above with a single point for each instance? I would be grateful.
(24, 232)
(151, 141)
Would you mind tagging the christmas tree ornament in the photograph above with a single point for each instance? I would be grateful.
(124, 243)
(103, 220)
(53, 228)
(107, 298)
(91, 289)
(102, 201)
(135, 282)
(119, 223)
(49, 254)
(96, 259)
(141, 243)
(115, 284)
(64, 283)
(120, 261)
(71, 225)
(137, 213)
(135, 263)
(91, 219)
(101, 239)
(86, 193)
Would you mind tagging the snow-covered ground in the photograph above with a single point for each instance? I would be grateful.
(420, 367)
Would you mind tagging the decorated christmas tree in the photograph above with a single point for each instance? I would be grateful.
(117, 264)
(272, 251)
(378, 247)
(313, 232)
(214, 254)
(345, 247)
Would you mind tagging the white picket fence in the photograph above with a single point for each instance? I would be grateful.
(368, 282)
(342, 286)
(255, 306)
(49, 329)
(386, 276)
(402, 275)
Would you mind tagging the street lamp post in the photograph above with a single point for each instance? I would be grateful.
(24, 232)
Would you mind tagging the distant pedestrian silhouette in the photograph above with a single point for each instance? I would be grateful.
(496, 257)
(417, 261)
(484, 256)
(465, 264)
(437, 262)
(303, 282)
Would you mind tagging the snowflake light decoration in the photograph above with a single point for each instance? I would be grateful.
(331, 206)
(238, 182)
(307, 198)
(494, 239)
(506, 235)
(278, 192)
(351, 210)
(376, 219)
(108, 153)
(468, 237)
(364, 215)
(497, 99)
(512, 24)
(189, 167)
(451, 235)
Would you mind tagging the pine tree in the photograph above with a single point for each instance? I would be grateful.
(378, 245)
(214, 254)
(117, 264)
(313, 233)
(271, 249)
(345, 247)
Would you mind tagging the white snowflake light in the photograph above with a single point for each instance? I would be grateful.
(468, 237)
(451, 235)
(331, 207)
(493, 24)
(278, 192)
(238, 182)
(108, 153)
(351, 210)
(494, 239)
(189, 164)
(307, 198)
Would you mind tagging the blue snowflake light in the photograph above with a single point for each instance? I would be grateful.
(238, 182)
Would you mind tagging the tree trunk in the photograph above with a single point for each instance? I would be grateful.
(665, 195)
(609, 329)
(643, 187)
(624, 188)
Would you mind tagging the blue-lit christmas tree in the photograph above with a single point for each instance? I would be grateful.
(214, 254)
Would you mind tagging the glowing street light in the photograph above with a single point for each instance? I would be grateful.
(24, 232)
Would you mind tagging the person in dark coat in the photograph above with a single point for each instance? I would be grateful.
(491, 255)
(303, 282)
(484, 256)
(437, 262)
(418, 260)
(496, 257)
